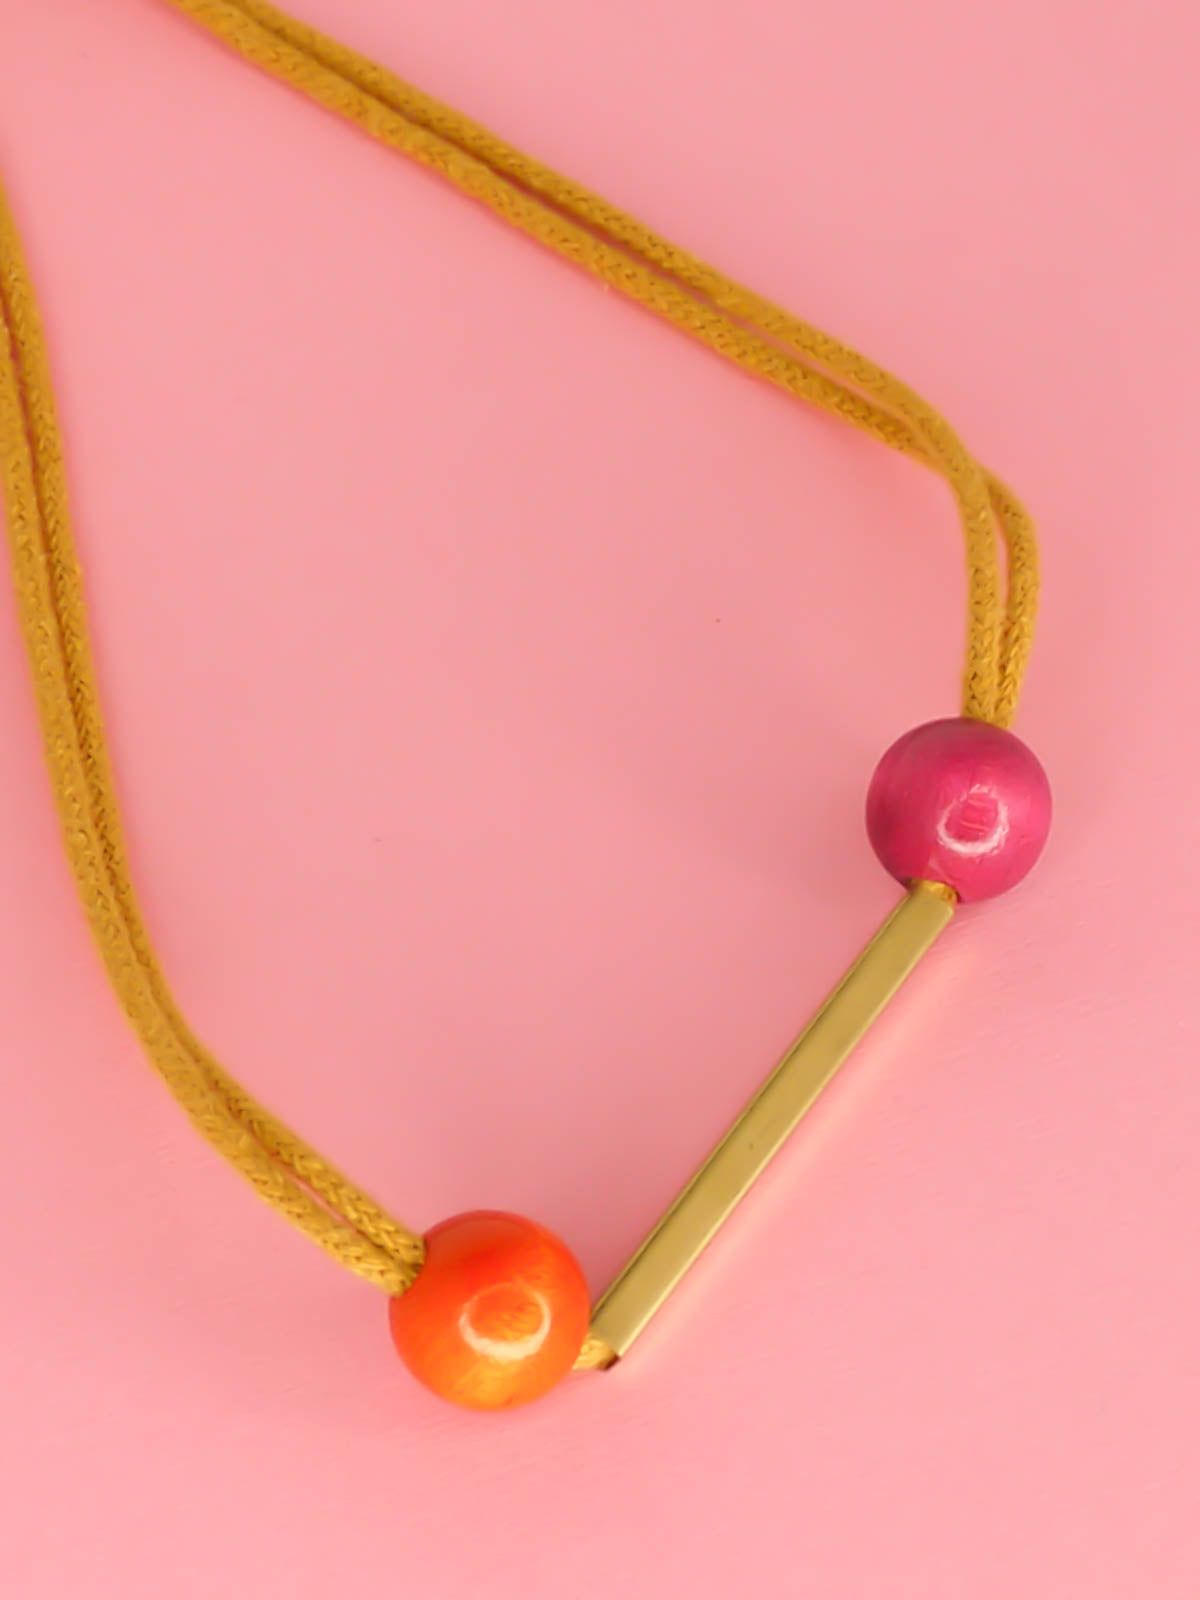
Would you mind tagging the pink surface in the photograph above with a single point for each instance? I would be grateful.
(494, 680)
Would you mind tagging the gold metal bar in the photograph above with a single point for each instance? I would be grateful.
(695, 1215)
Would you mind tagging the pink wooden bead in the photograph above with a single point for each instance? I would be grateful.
(959, 802)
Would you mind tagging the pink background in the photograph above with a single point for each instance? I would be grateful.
(494, 680)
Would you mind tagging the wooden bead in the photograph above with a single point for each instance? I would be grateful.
(959, 802)
(497, 1315)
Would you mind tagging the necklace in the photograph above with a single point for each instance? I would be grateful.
(489, 1309)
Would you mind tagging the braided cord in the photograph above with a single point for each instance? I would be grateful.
(287, 1172)
(619, 251)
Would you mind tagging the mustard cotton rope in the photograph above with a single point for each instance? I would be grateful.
(621, 252)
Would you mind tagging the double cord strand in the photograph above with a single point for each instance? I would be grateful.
(730, 319)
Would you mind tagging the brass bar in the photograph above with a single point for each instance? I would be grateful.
(695, 1215)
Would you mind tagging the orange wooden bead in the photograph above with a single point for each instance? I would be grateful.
(497, 1315)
